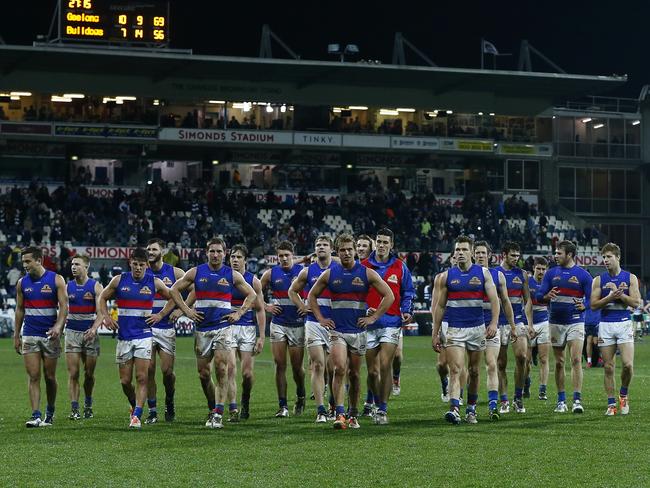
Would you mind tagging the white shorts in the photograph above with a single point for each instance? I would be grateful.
(244, 337)
(206, 342)
(75, 343)
(165, 339)
(390, 335)
(542, 335)
(48, 347)
(317, 335)
(612, 333)
(470, 338)
(355, 342)
(293, 336)
(561, 333)
(135, 348)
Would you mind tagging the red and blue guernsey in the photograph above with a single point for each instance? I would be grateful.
(325, 298)
(465, 290)
(349, 291)
(487, 308)
(515, 286)
(540, 310)
(134, 303)
(81, 309)
(238, 300)
(213, 289)
(166, 275)
(615, 311)
(281, 280)
(573, 284)
(398, 277)
(40, 302)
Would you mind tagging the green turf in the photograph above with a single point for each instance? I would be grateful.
(417, 449)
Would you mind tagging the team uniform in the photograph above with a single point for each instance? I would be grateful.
(540, 316)
(592, 322)
(163, 333)
(40, 302)
(398, 277)
(515, 286)
(616, 325)
(466, 325)
(213, 290)
(244, 334)
(134, 303)
(287, 326)
(315, 334)
(349, 291)
(81, 316)
(502, 332)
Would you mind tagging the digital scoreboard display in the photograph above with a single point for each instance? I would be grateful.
(125, 21)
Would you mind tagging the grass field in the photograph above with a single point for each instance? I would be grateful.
(418, 448)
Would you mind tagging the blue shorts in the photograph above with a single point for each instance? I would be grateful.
(591, 330)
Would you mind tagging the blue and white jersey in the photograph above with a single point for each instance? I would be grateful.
(325, 299)
(134, 303)
(248, 319)
(615, 311)
(540, 310)
(515, 285)
(213, 290)
(40, 302)
(487, 308)
(81, 305)
(592, 317)
(573, 284)
(349, 290)
(166, 275)
(281, 280)
(465, 291)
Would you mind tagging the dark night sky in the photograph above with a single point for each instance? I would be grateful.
(598, 37)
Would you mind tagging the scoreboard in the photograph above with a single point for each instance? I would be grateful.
(115, 21)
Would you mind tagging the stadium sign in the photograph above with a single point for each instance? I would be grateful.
(26, 129)
(106, 131)
(526, 149)
(226, 136)
(466, 145)
(420, 143)
(317, 139)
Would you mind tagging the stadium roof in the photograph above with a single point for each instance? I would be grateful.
(186, 77)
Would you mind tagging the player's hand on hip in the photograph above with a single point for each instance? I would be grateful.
(491, 331)
(195, 316)
(364, 322)
(328, 324)
(153, 319)
(274, 309)
(53, 333)
(407, 318)
(90, 334)
(175, 315)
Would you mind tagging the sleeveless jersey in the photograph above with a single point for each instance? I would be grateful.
(213, 289)
(515, 286)
(325, 298)
(487, 308)
(349, 290)
(166, 275)
(81, 305)
(238, 300)
(615, 311)
(134, 303)
(540, 310)
(281, 280)
(573, 284)
(40, 302)
(465, 290)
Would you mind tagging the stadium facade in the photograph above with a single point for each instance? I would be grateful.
(134, 116)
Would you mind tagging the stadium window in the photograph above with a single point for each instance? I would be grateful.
(515, 174)
(566, 126)
(617, 184)
(633, 185)
(601, 183)
(566, 182)
(531, 175)
(583, 183)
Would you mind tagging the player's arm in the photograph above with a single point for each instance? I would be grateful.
(245, 289)
(407, 294)
(179, 276)
(546, 292)
(102, 308)
(596, 302)
(92, 331)
(528, 306)
(175, 294)
(260, 316)
(19, 315)
(296, 287)
(312, 299)
(438, 307)
(387, 298)
(587, 286)
(266, 281)
(504, 301)
(62, 298)
(491, 292)
(176, 312)
(634, 298)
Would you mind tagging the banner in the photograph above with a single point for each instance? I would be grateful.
(286, 196)
(526, 149)
(26, 128)
(317, 139)
(366, 141)
(106, 131)
(420, 143)
(466, 145)
(226, 136)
